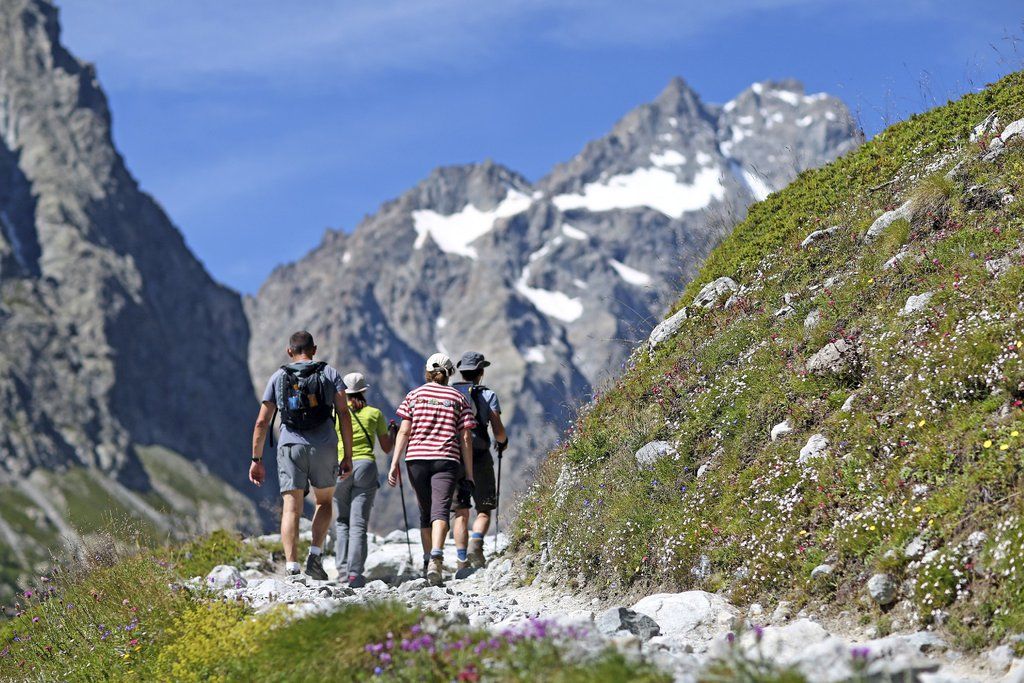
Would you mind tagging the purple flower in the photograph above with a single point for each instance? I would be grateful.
(28, 594)
(377, 671)
(731, 637)
(758, 633)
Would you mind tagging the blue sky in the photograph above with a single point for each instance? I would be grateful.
(259, 123)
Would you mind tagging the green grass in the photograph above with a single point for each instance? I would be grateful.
(909, 460)
(117, 615)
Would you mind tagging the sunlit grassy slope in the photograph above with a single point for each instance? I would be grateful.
(931, 445)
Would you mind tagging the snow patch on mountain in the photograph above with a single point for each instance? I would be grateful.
(668, 158)
(630, 275)
(656, 188)
(534, 354)
(454, 233)
(573, 233)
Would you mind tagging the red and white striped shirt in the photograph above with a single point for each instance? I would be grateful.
(438, 415)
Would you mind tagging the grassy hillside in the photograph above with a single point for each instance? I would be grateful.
(117, 615)
(185, 500)
(930, 447)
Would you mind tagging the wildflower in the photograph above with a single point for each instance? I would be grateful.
(28, 594)
(1015, 433)
(1004, 446)
(987, 444)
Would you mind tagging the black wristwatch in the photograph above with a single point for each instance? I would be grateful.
(259, 459)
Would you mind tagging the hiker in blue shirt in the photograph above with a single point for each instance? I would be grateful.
(469, 546)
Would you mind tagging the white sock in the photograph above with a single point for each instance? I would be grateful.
(314, 550)
(292, 567)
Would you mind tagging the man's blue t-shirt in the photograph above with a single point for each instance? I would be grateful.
(324, 434)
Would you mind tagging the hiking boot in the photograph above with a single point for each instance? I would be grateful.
(475, 553)
(315, 568)
(434, 568)
(461, 564)
(293, 571)
(356, 580)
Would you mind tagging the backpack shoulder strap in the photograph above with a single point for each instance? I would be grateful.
(360, 423)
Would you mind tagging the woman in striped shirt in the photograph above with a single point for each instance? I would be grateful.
(434, 437)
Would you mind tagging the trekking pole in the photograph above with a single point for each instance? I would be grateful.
(497, 502)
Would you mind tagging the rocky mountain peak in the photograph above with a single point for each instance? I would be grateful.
(448, 189)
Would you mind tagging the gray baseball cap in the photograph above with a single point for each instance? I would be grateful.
(472, 360)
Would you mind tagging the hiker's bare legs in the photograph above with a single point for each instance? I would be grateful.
(425, 539)
(482, 523)
(438, 532)
(322, 515)
(291, 510)
(460, 528)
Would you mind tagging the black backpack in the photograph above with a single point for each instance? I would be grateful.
(481, 437)
(305, 397)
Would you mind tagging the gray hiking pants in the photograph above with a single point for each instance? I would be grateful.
(353, 499)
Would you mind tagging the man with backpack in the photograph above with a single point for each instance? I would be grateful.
(307, 394)
(469, 546)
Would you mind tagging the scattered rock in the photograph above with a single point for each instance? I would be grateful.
(882, 589)
(785, 312)
(997, 266)
(666, 329)
(813, 319)
(623, 619)
(1000, 658)
(836, 356)
(225, 576)
(915, 549)
(996, 148)
(848, 403)
(987, 127)
(702, 569)
(904, 212)
(975, 540)
(702, 470)
(654, 451)
(822, 571)
(816, 447)
(712, 292)
(979, 198)
(819, 235)
(897, 259)
(1012, 130)
(692, 617)
(782, 612)
(916, 303)
(781, 429)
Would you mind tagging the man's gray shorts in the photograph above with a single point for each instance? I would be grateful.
(300, 466)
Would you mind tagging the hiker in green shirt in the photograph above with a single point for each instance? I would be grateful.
(354, 495)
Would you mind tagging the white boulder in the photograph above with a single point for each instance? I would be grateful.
(713, 291)
(904, 212)
(816, 447)
(781, 429)
(225, 576)
(691, 618)
(916, 303)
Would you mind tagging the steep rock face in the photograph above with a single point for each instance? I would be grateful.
(114, 336)
(555, 281)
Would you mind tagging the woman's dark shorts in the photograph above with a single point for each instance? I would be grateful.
(434, 484)
(484, 493)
